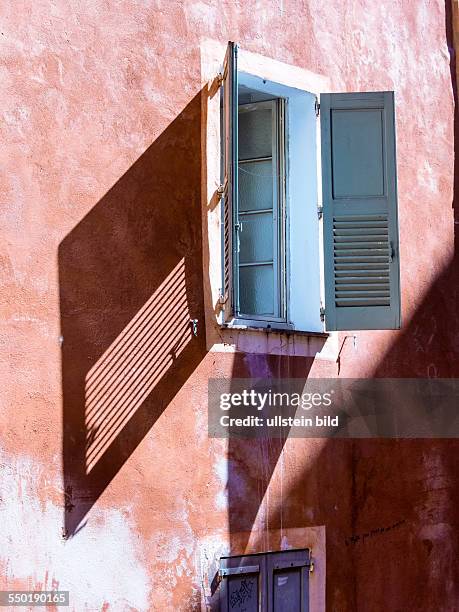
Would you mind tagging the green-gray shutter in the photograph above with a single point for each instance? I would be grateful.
(230, 179)
(359, 191)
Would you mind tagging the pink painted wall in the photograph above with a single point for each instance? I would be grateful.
(104, 394)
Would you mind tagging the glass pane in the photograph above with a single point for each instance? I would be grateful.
(256, 238)
(255, 185)
(256, 290)
(255, 133)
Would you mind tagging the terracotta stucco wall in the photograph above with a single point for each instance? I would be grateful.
(103, 263)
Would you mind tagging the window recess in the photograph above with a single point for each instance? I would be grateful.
(265, 582)
(273, 241)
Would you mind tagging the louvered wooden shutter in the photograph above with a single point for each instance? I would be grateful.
(230, 178)
(359, 190)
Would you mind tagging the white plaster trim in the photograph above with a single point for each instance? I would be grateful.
(215, 545)
(217, 338)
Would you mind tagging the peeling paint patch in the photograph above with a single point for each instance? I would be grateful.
(101, 563)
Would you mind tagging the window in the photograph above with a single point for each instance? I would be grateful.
(265, 582)
(287, 261)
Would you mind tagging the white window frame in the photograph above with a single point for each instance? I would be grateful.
(304, 189)
(304, 266)
(280, 241)
(300, 341)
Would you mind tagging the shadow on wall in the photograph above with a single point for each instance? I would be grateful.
(373, 495)
(269, 488)
(130, 284)
(252, 462)
(428, 345)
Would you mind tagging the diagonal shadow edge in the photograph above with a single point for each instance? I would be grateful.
(110, 265)
(441, 298)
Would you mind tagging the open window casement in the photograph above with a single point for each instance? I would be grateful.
(360, 227)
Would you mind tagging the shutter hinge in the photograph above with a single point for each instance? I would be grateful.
(317, 107)
(311, 562)
(320, 211)
(194, 326)
(322, 313)
(221, 189)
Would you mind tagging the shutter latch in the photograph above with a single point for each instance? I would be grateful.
(391, 252)
(322, 313)
(320, 211)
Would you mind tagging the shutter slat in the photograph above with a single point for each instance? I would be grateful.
(359, 272)
(355, 280)
(360, 233)
(363, 259)
(363, 302)
(360, 219)
(344, 269)
(362, 245)
(360, 287)
(355, 252)
(370, 225)
(361, 294)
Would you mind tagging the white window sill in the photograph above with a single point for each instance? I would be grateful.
(266, 327)
(279, 339)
